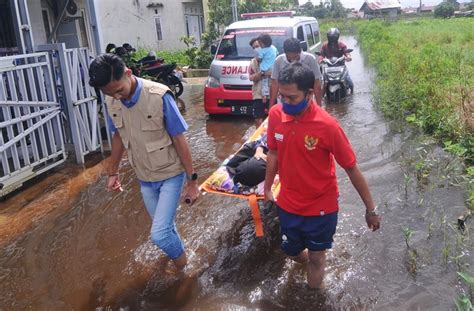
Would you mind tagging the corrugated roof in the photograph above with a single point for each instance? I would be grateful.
(383, 4)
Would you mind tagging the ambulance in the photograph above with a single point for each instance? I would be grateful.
(228, 89)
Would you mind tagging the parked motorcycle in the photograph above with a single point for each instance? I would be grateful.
(157, 70)
(153, 68)
(334, 72)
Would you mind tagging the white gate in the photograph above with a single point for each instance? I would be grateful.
(31, 139)
(82, 102)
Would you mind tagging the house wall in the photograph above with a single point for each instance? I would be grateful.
(133, 22)
(36, 19)
(69, 30)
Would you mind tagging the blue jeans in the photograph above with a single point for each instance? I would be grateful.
(161, 201)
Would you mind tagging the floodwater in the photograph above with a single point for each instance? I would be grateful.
(66, 244)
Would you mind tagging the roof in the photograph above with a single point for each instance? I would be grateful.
(270, 22)
(375, 5)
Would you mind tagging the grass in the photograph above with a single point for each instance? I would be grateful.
(425, 75)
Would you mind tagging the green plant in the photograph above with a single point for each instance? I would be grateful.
(199, 56)
(464, 303)
(425, 75)
(407, 233)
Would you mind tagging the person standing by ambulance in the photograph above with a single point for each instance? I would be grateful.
(259, 107)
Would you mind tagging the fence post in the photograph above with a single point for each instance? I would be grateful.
(69, 102)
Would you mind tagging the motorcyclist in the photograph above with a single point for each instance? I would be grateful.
(335, 48)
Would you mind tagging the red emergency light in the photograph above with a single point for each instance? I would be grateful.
(267, 14)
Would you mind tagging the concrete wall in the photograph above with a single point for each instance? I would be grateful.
(133, 22)
(69, 30)
(36, 19)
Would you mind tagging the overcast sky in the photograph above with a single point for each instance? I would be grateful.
(356, 4)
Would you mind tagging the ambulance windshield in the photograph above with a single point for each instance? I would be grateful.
(235, 42)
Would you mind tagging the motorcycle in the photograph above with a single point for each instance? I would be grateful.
(158, 71)
(334, 72)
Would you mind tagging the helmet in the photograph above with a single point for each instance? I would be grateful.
(333, 36)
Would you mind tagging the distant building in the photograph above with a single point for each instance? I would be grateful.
(409, 10)
(373, 8)
(426, 8)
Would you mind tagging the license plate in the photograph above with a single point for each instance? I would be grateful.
(333, 88)
(240, 109)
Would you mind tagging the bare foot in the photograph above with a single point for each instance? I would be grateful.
(180, 262)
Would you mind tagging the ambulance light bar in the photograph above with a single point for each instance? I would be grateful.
(267, 14)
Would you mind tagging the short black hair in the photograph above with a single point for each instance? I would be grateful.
(104, 69)
(252, 41)
(265, 39)
(298, 74)
(292, 45)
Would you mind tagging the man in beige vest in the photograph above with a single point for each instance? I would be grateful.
(147, 124)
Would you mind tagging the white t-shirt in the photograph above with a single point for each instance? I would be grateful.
(306, 59)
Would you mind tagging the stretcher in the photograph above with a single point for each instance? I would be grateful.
(220, 182)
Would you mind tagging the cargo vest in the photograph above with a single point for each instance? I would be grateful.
(150, 149)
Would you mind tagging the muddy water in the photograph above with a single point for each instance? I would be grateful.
(65, 244)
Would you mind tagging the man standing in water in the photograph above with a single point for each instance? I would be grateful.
(147, 124)
(303, 141)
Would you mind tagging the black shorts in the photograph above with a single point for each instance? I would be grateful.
(259, 109)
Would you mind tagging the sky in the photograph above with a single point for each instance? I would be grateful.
(356, 4)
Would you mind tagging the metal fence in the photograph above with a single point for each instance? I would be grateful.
(46, 104)
(31, 140)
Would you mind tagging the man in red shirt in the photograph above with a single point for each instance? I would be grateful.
(335, 48)
(303, 141)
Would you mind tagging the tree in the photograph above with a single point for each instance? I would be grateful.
(445, 10)
(253, 6)
(470, 6)
(337, 9)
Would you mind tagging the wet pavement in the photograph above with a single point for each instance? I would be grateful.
(66, 244)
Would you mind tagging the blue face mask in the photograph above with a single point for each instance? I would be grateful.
(295, 109)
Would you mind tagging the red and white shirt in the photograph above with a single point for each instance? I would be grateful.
(307, 146)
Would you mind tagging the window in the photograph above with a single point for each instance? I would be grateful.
(84, 38)
(235, 42)
(315, 30)
(188, 33)
(46, 23)
(201, 20)
(299, 33)
(309, 35)
(159, 34)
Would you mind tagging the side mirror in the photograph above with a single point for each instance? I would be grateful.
(304, 45)
(213, 49)
(349, 50)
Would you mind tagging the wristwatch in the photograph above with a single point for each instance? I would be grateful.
(372, 212)
(193, 176)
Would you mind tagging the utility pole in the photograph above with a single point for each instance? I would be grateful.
(234, 11)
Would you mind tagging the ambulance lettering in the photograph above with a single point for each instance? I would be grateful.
(234, 70)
